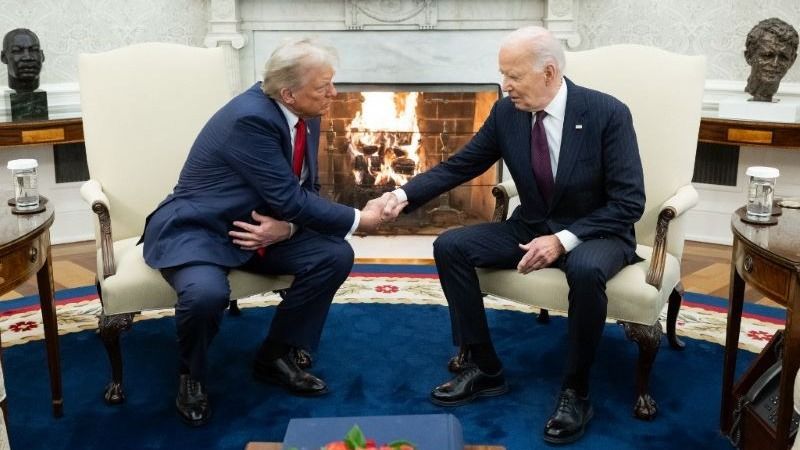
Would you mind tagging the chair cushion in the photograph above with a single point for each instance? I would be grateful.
(137, 287)
(630, 298)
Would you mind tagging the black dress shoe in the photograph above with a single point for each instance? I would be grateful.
(192, 402)
(302, 358)
(458, 363)
(467, 386)
(568, 421)
(285, 373)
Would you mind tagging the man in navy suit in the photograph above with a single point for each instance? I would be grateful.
(573, 155)
(248, 198)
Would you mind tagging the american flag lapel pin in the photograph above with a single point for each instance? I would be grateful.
(579, 126)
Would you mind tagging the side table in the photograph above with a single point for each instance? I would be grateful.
(24, 251)
(768, 258)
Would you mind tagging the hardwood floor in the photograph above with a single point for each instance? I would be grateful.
(705, 269)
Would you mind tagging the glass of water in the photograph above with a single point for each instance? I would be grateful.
(760, 192)
(24, 177)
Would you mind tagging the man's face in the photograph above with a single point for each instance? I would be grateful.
(24, 57)
(315, 96)
(771, 59)
(526, 86)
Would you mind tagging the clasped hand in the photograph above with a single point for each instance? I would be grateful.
(378, 210)
(266, 231)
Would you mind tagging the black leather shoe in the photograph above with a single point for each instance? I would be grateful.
(458, 363)
(467, 386)
(568, 421)
(302, 358)
(285, 373)
(192, 402)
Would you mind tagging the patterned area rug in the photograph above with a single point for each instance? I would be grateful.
(701, 317)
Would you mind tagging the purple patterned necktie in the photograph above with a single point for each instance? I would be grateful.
(540, 158)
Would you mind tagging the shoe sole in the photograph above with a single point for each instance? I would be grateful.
(574, 437)
(493, 392)
(266, 379)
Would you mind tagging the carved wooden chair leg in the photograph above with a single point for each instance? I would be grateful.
(675, 299)
(110, 329)
(648, 339)
(459, 362)
(544, 316)
(233, 308)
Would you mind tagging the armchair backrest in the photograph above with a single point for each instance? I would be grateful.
(664, 92)
(142, 107)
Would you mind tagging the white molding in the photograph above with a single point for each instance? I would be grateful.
(561, 18)
(224, 31)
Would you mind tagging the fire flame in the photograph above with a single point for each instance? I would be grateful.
(384, 139)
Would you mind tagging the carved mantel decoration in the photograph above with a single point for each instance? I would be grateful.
(367, 13)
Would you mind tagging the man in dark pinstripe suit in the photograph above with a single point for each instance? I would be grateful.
(573, 155)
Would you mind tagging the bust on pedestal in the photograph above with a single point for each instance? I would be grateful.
(24, 57)
(770, 50)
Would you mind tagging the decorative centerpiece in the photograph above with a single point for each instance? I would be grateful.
(355, 440)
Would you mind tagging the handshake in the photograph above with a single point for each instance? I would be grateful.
(385, 208)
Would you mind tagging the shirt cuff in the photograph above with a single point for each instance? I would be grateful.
(356, 221)
(568, 240)
(400, 194)
(292, 229)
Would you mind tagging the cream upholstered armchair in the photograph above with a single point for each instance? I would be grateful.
(664, 92)
(143, 106)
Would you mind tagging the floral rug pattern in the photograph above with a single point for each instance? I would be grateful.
(695, 320)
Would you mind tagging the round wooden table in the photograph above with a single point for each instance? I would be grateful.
(767, 257)
(25, 250)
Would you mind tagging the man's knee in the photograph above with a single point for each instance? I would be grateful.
(585, 272)
(340, 257)
(447, 243)
(204, 298)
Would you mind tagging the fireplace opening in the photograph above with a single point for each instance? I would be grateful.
(377, 137)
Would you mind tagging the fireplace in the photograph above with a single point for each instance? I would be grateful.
(377, 137)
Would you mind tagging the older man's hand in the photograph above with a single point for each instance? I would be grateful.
(540, 253)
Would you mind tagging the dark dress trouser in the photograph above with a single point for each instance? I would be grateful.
(320, 264)
(459, 251)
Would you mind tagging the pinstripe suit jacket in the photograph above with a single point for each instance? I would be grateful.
(599, 186)
(240, 161)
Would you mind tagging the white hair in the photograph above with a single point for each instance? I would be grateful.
(542, 46)
(291, 62)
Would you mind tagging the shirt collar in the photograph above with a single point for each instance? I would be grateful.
(291, 118)
(558, 106)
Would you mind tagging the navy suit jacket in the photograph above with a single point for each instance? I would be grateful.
(240, 161)
(599, 186)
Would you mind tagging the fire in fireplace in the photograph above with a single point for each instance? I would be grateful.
(377, 137)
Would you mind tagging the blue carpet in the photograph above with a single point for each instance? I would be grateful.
(378, 360)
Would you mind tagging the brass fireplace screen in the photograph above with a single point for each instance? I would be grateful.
(376, 137)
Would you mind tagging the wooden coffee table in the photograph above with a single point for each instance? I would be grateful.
(278, 446)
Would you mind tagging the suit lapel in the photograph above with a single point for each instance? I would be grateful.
(572, 141)
(286, 137)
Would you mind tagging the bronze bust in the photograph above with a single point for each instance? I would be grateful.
(770, 50)
(24, 57)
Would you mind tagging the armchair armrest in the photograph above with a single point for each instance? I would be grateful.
(684, 199)
(92, 193)
(503, 192)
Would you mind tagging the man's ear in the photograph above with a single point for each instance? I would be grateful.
(42, 55)
(287, 96)
(3, 57)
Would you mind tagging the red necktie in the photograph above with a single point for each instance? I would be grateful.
(540, 158)
(299, 147)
